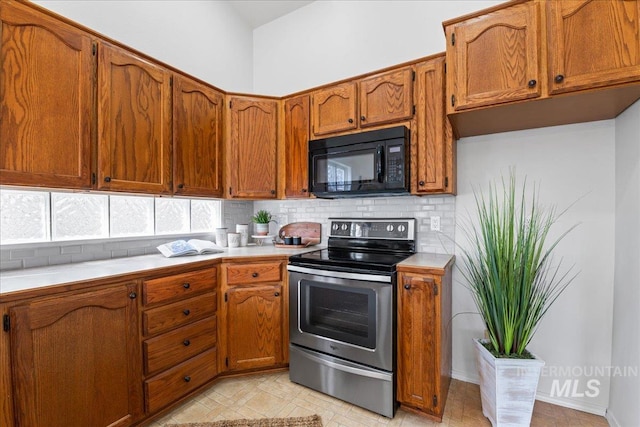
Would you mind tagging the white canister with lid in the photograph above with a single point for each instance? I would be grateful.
(243, 229)
(221, 237)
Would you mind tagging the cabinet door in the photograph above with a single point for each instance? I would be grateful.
(296, 146)
(253, 148)
(76, 360)
(418, 355)
(334, 109)
(592, 43)
(386, 97)
(134, 123)
(254, 327)
(197, 138)
(494, 58)
(46, 97)
(431, 148)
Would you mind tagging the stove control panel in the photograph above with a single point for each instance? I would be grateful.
(368, 228)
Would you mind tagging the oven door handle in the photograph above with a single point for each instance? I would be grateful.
(340, 274)
(342, 366)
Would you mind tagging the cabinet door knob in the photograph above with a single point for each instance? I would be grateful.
(407, 287)
(186, 312)
(187, 379)
(107, 179)
(133, 295)
(304, 190)
(186, 285)
(363, 118)
(350, 120)
(421, 183)
(181, 186)
(532, 83)
(273, 191)
(186, 343)
(559, 78)
(277, 294)
(254, 274)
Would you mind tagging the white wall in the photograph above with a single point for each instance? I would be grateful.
(206, 39)
(625, 390)
(330, 40)
(573, 163)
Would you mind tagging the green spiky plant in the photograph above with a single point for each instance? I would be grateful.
(262, 217)
(508, 265)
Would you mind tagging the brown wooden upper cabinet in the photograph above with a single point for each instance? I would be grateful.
(371, 101)
(134, 123)
(592, 43)
(197, 138)
(296, 146)
(252, 148)
(433, 147)
(493, 58)
(46, 97)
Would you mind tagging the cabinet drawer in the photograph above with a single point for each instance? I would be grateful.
(177, 346)
(179, 313)
(254, 273)
(170, 385)
(179, 286)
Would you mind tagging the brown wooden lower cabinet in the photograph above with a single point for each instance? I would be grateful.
(76, 359)
(424, 341)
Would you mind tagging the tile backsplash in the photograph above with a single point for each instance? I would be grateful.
(420, 208)
(14, 257)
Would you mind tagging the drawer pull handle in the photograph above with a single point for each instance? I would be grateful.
(186, 343)
(254, 275)
(277, 294)
(186, 285)
(187, 379)
(133, 295)
(407, 287)
(186, 312)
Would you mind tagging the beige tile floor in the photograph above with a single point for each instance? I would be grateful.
(273, 395)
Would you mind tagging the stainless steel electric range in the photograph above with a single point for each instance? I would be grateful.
(343, 310)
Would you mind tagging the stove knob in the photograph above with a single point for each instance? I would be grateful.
(344, 227)
(335, 226)
(401, 228)
(390, 228)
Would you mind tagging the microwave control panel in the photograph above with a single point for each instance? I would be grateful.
(395, 165)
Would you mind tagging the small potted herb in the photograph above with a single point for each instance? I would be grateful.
(262, 218)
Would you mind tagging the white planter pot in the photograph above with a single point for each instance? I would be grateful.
(262, 229)
(507, 387)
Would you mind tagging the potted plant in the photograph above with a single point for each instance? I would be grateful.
(508, 268)
(262, 218)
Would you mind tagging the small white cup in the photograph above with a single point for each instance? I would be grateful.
(234, 239)
(221, 237)
(243, 229)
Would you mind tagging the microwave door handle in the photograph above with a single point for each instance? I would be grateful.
(380, 165)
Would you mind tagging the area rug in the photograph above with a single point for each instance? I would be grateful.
(312, 421)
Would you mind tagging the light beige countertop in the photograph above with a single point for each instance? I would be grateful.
(33, 278)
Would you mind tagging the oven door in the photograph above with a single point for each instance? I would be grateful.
(346, 315)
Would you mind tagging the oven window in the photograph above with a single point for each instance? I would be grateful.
(339, 173)
(338, 312)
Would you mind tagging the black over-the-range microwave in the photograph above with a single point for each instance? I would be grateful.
(374, 163)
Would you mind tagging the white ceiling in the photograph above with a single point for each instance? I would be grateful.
(259, 12)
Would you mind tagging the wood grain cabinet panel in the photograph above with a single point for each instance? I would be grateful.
(254, 272)
(296, 146)
(47, 72)
(170, 385)
(134, 123)
(254, 326)
(494, 57)
(433, 147)
(76, 359)
(386, 97)
(178, 286)
(197, 138)
(169, 316)
(252, 148)
(592, 43)
(424, 341)
(334, 109)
